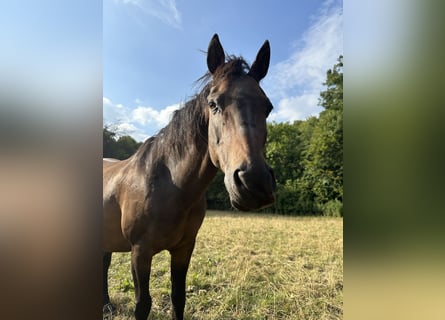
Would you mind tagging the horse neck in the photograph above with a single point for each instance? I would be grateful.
(196, 170)
(192, 168)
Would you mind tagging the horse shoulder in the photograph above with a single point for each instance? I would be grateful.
(115, 180)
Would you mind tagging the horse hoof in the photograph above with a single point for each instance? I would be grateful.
(108, 311)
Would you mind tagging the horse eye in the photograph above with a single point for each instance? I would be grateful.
(213, 106)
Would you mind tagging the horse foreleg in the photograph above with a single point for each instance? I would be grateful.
(106, 261)
(140, 269)
(180, 260)
(108, 309)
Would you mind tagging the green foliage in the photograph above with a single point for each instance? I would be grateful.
(332, 97)
(307, 156)
(109, 142)
(118, 148)
(323, 161)
(332, 208)
(323, 158)
(126, 285)
(217, 196)
(283, 151)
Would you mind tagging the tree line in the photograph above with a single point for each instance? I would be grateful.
(118, 147)
(306, 155)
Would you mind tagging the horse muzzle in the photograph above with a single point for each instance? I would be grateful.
(251, 187)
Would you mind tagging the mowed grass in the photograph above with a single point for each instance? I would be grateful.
(249, 266)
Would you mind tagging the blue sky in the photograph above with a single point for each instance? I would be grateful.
(152, 54)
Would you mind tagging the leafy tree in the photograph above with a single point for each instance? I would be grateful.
(283, 150)
(217, 196)
(126, 147)
(109, 142)
(118, 148)
(285, 146)
(322, 181)
(332, 97)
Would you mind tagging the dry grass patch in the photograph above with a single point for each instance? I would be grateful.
(248, 266)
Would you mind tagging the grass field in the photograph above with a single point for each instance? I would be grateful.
(248, 266)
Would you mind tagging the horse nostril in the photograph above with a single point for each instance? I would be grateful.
(236, 178)
(258, 181)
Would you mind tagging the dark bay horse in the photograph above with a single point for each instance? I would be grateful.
(155, 200)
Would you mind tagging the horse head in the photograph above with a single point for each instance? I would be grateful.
(238, 109)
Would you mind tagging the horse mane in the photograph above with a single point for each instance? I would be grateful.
(189, 124)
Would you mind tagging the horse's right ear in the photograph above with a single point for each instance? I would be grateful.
(215, 54)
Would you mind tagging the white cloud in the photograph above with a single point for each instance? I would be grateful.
(140, 122)
(114, 113)
(146, 115)
(296, 82)
(164, 10)
(296, 108)
(126, 128)
(106, 100)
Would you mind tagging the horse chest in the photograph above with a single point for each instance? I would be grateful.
(167, 230)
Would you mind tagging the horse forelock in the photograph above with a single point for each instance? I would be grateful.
(233, 67)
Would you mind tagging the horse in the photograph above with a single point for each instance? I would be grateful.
(155, 200)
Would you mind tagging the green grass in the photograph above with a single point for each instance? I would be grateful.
(248, 266)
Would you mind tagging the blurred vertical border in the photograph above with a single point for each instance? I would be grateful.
(394, 159)
(50, 160)
(51, 149)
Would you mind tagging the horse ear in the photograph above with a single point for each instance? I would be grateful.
(261, 64)
(215, 54)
